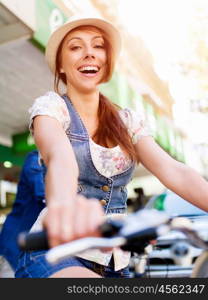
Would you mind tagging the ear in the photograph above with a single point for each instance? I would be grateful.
(62, 70)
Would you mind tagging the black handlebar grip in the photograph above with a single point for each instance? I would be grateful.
(146, 234)
(33, 241)
(110, 228)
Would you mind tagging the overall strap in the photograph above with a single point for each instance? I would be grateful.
(76, 127)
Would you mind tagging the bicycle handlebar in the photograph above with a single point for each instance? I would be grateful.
(130, 234)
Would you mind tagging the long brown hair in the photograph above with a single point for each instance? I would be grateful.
(111, 128)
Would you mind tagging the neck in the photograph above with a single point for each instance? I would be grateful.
(86, 104)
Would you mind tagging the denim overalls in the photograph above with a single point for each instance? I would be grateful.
(110, 191)
(91, 184)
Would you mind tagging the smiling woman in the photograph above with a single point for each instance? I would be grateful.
(90, 147)
(84, 141)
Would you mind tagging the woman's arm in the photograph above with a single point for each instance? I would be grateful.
(58, 155)
(68, 215)
(176, 176)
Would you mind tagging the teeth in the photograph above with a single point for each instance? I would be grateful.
(89, 68)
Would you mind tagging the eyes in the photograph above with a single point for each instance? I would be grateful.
(98, 46)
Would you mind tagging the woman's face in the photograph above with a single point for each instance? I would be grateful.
(84, 59)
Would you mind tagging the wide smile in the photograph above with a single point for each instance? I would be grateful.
(89, 71)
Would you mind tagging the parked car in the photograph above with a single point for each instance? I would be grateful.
(173, 255)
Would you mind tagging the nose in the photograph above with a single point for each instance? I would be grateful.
(89, 53)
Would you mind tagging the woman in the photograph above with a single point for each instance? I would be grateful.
(90, 146)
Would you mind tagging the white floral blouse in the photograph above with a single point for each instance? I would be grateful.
(108, 161)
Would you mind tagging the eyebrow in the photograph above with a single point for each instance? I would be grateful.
(78, 38)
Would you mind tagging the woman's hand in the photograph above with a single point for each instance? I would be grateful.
(65, 221)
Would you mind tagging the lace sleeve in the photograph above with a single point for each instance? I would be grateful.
(51, 104)
(136, 124)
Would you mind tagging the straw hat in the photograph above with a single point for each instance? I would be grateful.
(58, 35)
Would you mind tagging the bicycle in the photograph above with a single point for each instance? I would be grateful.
(134, 234)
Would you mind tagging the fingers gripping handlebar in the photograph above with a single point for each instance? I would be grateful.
(39, 240)
(133, 233)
